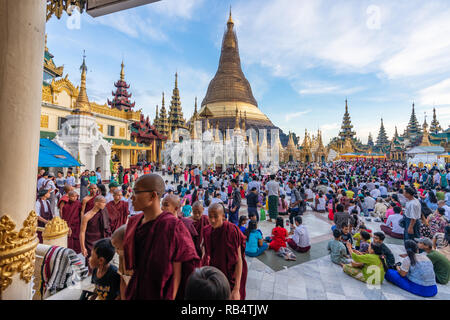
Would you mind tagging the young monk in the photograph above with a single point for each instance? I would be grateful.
(157, 246)
(94, 226)
(65, 198)
(70, 212)
(88, 202)
(224, 248)
(117, 210)
(125, 275)
(200, 221)
(171, 203)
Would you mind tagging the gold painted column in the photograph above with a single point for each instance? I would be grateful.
(22, 30)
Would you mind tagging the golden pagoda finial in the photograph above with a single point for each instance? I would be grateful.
(176, 80)
(162, 106)
(230, 19)
(82, 104)
(122, 72)
(236, 125)
(425, 138)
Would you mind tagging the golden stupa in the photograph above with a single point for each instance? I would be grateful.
(229, 92)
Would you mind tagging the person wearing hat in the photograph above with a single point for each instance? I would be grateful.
(110, 195)
(43, 210)
(441, 264)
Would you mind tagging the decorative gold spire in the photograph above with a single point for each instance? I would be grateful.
(236, 125)
(82, 104)
(425, 139)
(122, 72)
(244, 121)
(230, 19)
(229, 83)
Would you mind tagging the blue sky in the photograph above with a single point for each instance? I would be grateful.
(302, 58)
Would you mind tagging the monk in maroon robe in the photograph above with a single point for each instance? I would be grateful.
(157, 246)
(117, 210)
(88, 201)
(94, 226)
(200, 221)
(224, 248)
(71, 213)
(172, 203)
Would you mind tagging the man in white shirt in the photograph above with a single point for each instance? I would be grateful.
(412, 215)
(396, 229)
(273, 189)
(375, 193)
(442, 204)
(300, 241)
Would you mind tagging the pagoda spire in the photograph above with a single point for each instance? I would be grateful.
(121, 96)
(435, 127)
(155, 122)
(175, 112)
(413, 128)
(82, 104)
(370, 140)
(236, 125)
(382, 139)
(163, 124)
(346, 127)
(425, 137)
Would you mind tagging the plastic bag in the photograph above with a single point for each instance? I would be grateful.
(262, 215)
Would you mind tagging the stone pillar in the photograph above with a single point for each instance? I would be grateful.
(22, 30)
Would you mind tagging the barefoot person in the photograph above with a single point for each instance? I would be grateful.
(200, 221)
(94, 226)
(224, 248)
(125, 275)
(87, 203)
(157, 246)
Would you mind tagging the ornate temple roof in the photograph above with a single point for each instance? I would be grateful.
(121, 99)
(229, 83)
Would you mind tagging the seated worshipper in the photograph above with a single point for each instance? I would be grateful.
(378, 237)
(362, 241)
(207, 283)
(125, 275)
(43, 210)
(282, 205)
(380, 210)
(390, 210)
(224, 248)
(337, 249)
(346, 235)
(104, 274)
(94, 226)
(279, 235)
(441, 241)
(369, 268)
(300, 241)
(186, 210)
(71, 214)
(424, 228)
(255, 245)
(118, 211)
(441, 264)
(320, 202)
(415, 274)
(200, 221)
(156, 241)
(392, 227)
(437, 221)
(243, 222)
(341, 216)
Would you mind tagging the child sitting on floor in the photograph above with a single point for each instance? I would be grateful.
(243, 220)
(364, 242)
(337, 250)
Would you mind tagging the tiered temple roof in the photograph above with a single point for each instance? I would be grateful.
(413, 128)
(163, 123)
(144, 132)
(382, 139)
(370, 140)
(176, 119)
(121, 99)
(346, 128)
(82, 104)
(435, 127)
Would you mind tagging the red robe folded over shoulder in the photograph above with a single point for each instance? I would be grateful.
(221, 251)
(71, 214)
(150, 250)
(199, 225)
(118, 214)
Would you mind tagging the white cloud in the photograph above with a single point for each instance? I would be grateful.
(291, 116)
(437, 94)
(177, 8)
(324, 88)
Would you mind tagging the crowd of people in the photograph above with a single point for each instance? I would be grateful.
(187, 225)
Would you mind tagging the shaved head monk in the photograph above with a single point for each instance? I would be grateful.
(88, 202)
(94, 226)
(200, 221)
(157, 246)
(224, 248)
(71, 213)
(117, 210)
(125, 275)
